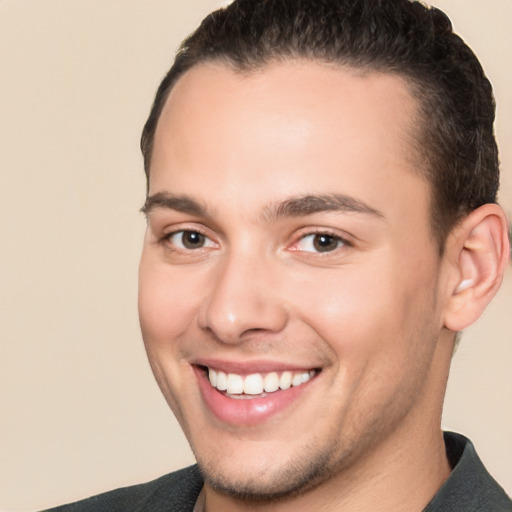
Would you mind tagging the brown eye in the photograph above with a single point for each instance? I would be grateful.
(325, 243)
(192, 239)
(187, 239)
(320, 242)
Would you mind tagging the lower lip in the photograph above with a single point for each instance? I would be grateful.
(250, 411)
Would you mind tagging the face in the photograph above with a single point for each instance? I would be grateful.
(288, 281)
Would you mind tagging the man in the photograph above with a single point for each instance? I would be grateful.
(322, 222)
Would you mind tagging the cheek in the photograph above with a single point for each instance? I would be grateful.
(365, 315)
(344, 302)
(376, 333)
(165, 313)
(167, 302)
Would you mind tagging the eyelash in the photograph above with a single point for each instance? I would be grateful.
(208, 242)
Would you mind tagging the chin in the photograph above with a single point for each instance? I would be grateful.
(266, 481)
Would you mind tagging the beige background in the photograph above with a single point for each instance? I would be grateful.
(79, 412)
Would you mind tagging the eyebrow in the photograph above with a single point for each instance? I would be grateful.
(299, 206)
(302, 206)
(184, 204)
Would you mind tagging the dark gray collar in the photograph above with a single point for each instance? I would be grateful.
(469, 488)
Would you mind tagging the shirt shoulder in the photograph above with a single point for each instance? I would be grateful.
(175, 492)
(469, 488)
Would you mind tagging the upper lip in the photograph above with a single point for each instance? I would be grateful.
(249, 367)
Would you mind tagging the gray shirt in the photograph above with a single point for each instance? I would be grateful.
(469, 488)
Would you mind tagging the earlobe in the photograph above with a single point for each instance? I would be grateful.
(479, 252)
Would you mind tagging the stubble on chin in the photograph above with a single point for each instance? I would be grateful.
(271, 484)
(312, 466)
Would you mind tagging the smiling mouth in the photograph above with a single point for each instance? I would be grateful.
(256, 385)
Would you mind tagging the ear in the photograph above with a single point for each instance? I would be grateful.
(478, 251)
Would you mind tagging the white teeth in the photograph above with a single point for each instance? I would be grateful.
(256, 383)
(212, 376)
(222, 381)
(271, 382)
(285, 382)
(305, 377)
(297, 379)
(235, 384)
(253, 384)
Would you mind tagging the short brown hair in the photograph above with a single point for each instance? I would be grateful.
(455, 137)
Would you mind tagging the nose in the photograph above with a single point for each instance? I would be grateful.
(242, 300)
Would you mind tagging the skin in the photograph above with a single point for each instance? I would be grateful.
(364, 434)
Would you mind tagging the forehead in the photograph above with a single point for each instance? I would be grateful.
(291, 128)
(298, 88)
